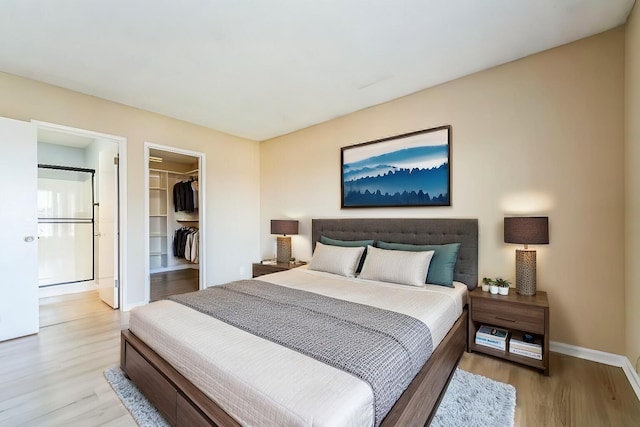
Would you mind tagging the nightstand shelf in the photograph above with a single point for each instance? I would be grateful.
(517, 313)
(259, 269)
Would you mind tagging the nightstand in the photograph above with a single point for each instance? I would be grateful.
(517, 313)
(262, 269)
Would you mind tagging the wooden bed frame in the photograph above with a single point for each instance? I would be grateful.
(183, 404)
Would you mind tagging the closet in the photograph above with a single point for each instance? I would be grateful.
(174, 246)
(173, 213)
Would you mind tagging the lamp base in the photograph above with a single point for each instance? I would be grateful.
(284, 249)
(526, 272)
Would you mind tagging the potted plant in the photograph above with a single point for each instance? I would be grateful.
(493, 287)
(503, 286)
(486, 282)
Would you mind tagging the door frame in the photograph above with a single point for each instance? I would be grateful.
(122, 196)
(201, 211)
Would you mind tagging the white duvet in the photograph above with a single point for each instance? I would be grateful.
(261, 383)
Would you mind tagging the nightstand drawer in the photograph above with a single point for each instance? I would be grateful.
(259, 269)
(514, 316)
(262, 269)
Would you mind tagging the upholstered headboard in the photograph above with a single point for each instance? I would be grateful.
(413, 231)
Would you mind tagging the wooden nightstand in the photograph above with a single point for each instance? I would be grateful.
(514, 312)
(262, 269)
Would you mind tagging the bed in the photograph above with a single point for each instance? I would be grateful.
(162, 375)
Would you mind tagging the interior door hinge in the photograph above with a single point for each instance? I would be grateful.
(117, 285)
(116, 160)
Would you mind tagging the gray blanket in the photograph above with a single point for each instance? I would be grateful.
(384, 348)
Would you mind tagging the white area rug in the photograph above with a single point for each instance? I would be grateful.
(470, 401)
(145, 414)
(476, 401)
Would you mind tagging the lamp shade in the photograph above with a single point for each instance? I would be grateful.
(528, 230)
(284, 226)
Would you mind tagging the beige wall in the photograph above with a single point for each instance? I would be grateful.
(632, 167)
(232, 171)
(540, 135)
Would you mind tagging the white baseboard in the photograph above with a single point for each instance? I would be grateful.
(610, 359)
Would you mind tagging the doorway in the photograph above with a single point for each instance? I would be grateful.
(175, 213)
(19, 260)
(79, 217)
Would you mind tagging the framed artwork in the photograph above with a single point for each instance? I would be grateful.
(413, 169)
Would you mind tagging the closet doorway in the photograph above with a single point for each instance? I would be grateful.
(175, 229)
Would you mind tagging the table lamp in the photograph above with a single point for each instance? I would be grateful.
(284, 227)
(530, 230)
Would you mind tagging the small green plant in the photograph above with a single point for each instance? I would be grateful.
(487, 281)
(502, 283)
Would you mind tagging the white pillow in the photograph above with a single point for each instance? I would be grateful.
(404, 267)
(336, 259)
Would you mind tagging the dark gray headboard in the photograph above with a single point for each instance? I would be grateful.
(413, 231)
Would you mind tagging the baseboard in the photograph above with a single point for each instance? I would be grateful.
(632, 375)
(610, 359)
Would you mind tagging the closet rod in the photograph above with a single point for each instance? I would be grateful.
(65, 221)
(66, 168)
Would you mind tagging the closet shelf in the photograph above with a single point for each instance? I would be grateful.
(158, 188)
(191, 172)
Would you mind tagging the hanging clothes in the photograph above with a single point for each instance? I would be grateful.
(186, 241)
(184, 196)
(194, 187)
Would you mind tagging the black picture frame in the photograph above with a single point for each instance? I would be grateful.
(408, 170)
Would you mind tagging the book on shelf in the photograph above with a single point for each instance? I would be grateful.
(490, 340)
(525, 353)
(491, 332)
(517, 341)
(498, 345)
(536, 350)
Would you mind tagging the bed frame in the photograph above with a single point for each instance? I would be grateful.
(183, 404)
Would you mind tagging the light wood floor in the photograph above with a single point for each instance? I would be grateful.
(55, 378)
(577, 393)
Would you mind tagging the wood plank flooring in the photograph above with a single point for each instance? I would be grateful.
(173, 283)
(56, 378)
(578, 392)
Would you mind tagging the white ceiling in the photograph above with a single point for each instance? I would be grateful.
(263, 68)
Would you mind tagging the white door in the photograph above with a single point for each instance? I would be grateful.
(107, 225)
(19, 232)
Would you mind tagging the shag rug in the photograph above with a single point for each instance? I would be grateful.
(470, 401)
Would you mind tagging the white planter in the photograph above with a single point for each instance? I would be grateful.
(493, 289)
(485, 288)
(503, 291)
